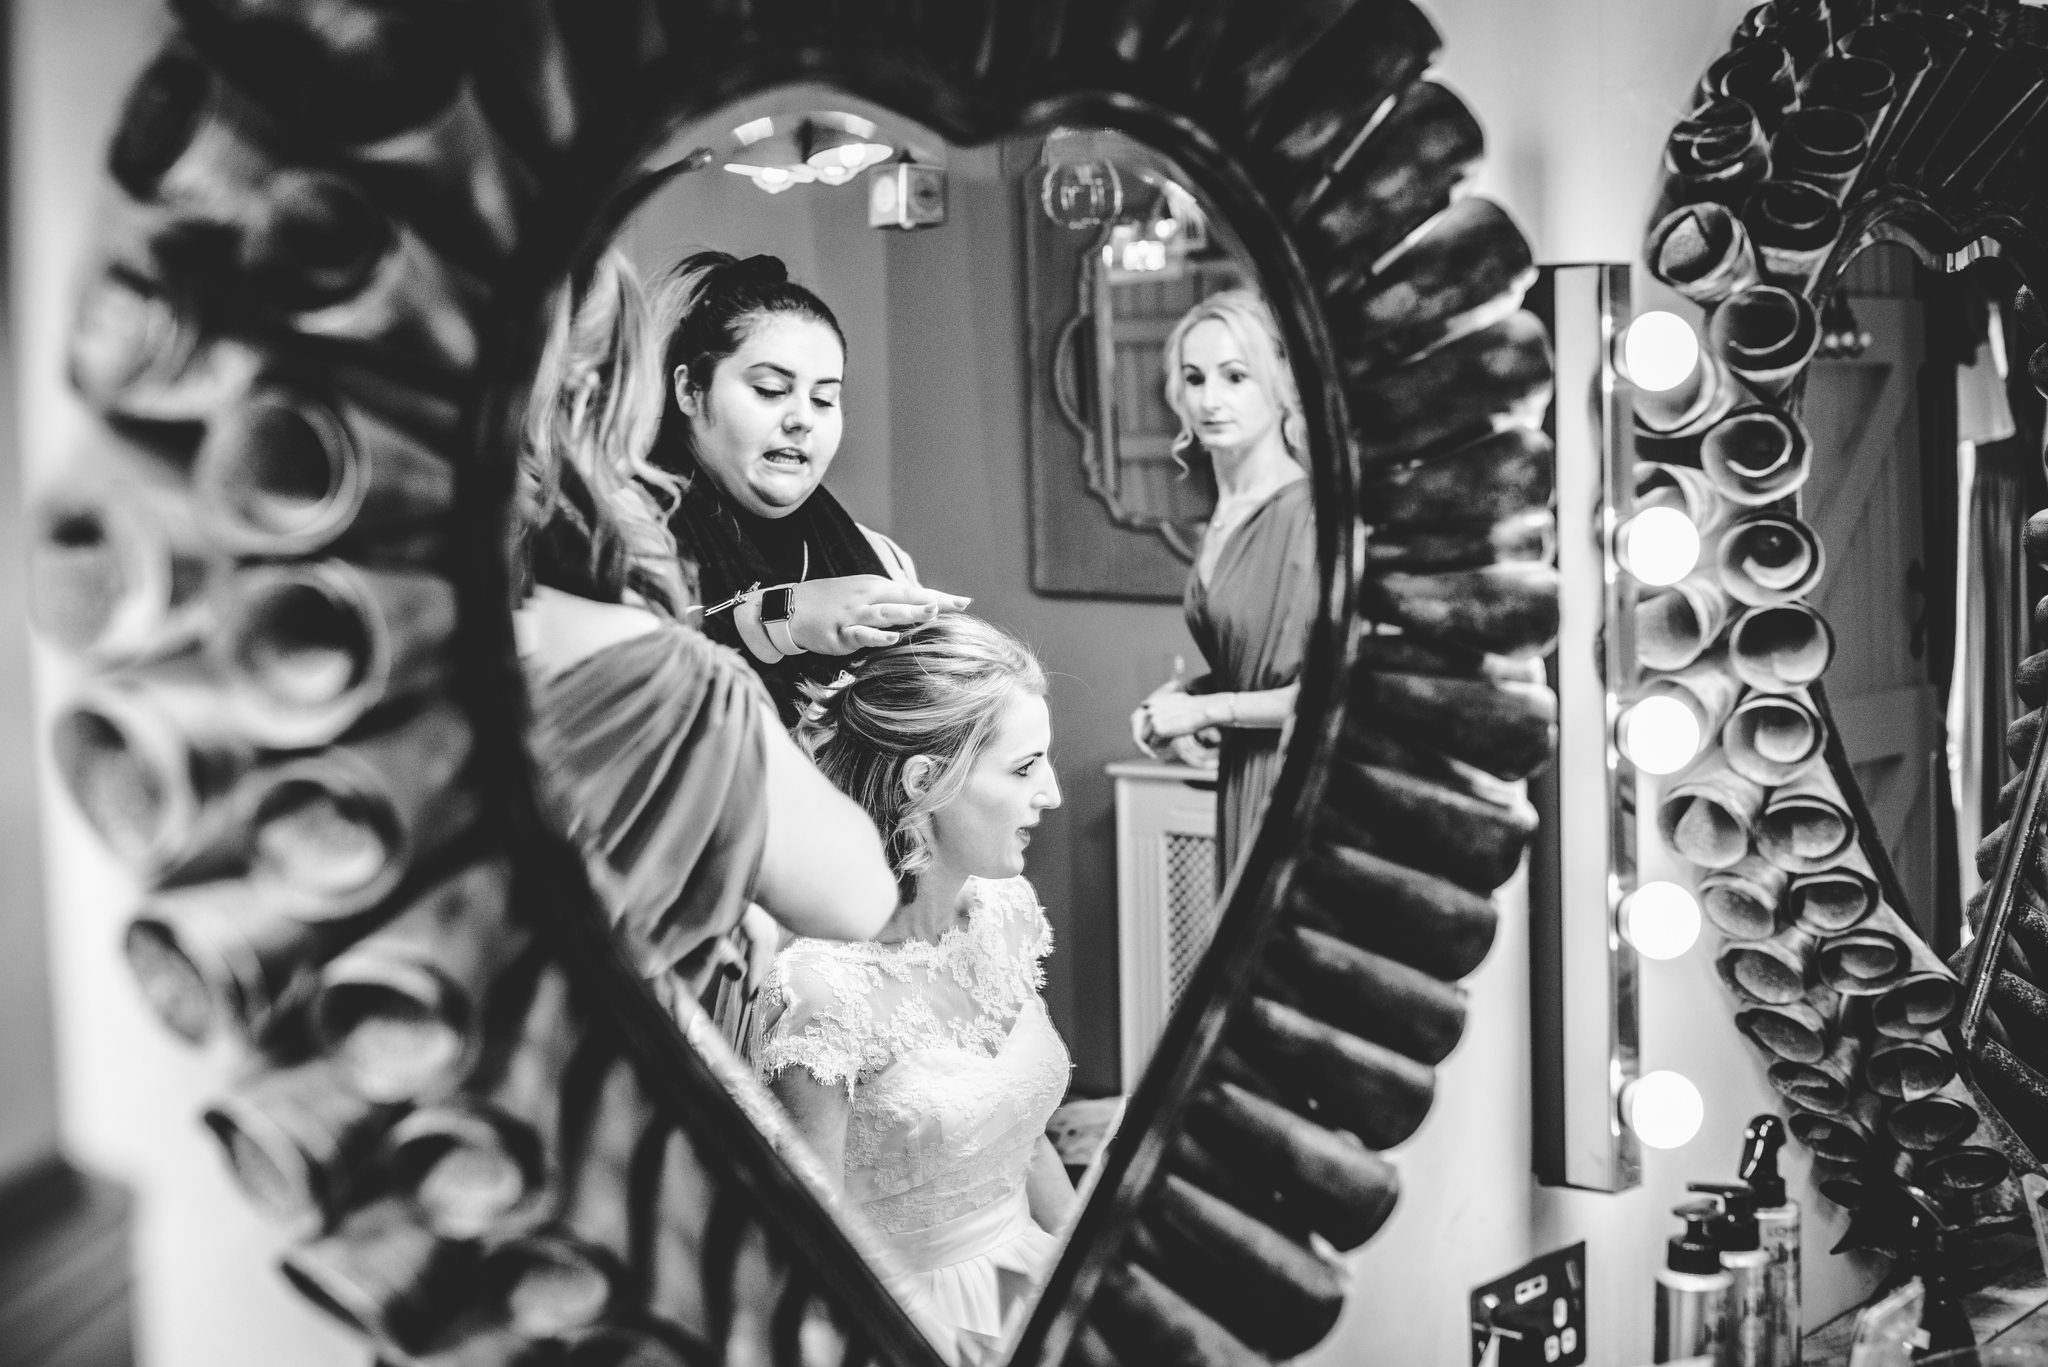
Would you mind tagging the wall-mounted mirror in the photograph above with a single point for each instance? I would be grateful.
(481, 618)
(835, 315)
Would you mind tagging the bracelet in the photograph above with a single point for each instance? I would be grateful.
(746, 618)
(1229, 708)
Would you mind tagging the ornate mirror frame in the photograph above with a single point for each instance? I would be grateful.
(1921, 125)
(1305, 1043)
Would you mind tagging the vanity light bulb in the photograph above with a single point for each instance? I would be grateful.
(1659, 734)
(1663, 1108)
(1659, 351)
(1659, 546)
(1661, 920)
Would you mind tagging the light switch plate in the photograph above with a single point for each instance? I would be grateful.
(1535, 1316)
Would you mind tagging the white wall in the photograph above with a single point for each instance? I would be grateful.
(207, 1289)
(1576, 97)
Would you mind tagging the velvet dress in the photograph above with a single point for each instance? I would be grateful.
(1252, 621)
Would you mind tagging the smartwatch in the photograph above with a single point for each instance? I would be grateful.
(776, 606)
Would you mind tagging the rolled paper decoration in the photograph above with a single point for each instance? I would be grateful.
(1833, 899)
(1781, 647)
(1862, 86)
(335, 831)
(1878, 953)
(1675, 627)
(1508, 728)
(1682, 412)
(1351, 1189)
(1530, 535)
(1822, 147)
(1923, 1000)
(1851, 1137)
(1773, 971)
(454, 176)
(1765, 335)
(1500, 475)
(224, 956)
(1907, 56)
(1708, 814)
(1703, 251)
(335, 71)
(1772, 736)
(1718, 153)
(1965, 1169)
(1805, 827)
(120, 570)
(1842, 1185)
(1745, 901)
(1826, 1085)
(1378, 1094)
(1904, 1069)
(1705, 686)
(284, 473)
(383, 1275)
(1931, 1122)
(1794, 227)
(486, 1163)
(1424, 920)
(1509, 608)
(1759, 74)
(1408, 168)
(1800, 1031)
(1476, 384)
(1684, 489)
(138, 353)
(337, 267)
(1758, 454)
(186, 139)
(611, 1345)
(524, 79)
(153, 764)
(566, 1277)
(295, 1137)
(402, 1010)
(1469, 270)
(308, 649)
(1769, 558)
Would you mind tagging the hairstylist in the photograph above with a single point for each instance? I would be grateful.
(756, 365)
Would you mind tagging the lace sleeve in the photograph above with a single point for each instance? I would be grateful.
(817, 1015)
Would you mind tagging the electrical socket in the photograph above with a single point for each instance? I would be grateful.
(1536, 1314)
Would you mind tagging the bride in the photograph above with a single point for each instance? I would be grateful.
(922, 1066)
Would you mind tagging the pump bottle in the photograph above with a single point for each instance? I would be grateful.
(1692, 1291)
(1777, 1223)
(1747, 1263)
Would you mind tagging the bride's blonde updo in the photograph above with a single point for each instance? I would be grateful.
(939, 691)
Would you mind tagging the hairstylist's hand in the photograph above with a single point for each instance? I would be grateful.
(854, 611)
(1177, 713)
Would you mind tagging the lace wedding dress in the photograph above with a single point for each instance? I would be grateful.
(954, 1068)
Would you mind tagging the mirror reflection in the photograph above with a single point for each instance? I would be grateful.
(916, 559)
(1923, 442)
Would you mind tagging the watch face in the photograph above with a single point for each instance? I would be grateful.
(775, 605)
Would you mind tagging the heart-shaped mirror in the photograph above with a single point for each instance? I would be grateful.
(529, 666)
(1848, 220)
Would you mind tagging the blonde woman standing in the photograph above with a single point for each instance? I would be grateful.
(1252, 594)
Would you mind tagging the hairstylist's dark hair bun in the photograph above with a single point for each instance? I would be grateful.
(762, 269)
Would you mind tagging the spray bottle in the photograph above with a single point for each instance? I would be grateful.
(1692, 1290)
(1777, 1223)
(1748, 1265)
